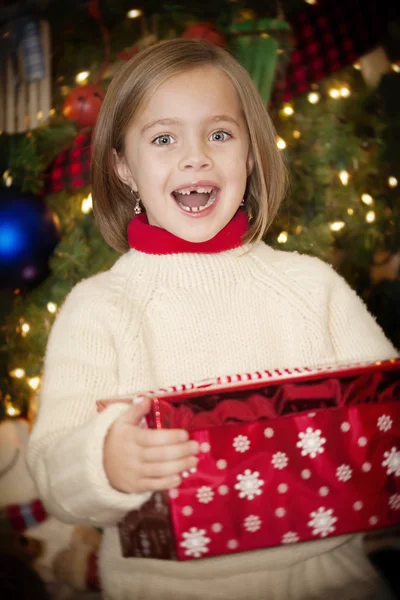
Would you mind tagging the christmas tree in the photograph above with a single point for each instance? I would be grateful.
(337, 123)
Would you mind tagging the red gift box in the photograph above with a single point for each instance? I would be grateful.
(285, 456)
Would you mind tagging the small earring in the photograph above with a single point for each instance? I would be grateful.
(243, 202)
(137, 210)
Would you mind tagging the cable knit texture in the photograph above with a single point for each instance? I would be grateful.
(158, 320)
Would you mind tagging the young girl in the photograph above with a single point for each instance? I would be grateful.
(186, 180)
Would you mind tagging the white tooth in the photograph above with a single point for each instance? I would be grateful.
(195, 208)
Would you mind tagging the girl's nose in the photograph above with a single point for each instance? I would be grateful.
(195, 157)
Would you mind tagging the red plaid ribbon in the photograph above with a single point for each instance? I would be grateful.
(329, 36)
(71, 169)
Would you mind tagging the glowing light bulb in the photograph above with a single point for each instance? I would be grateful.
(345, 92)
(334, 93)
(392, 181)
(7, 178)
(134, 13)
(51, 307)
(282, 237)
(288, 110)
(17, 373)
(370, 216)
(396, 68)
(367, 199)
(350, 211)
(82, 77)
(344, 177)
(25, 328)
(337, 225)
(87, 204)
(296, 134)
(12, 411)
(281, 143)
(357, 66)
(34, 382)
(312, 2)
(313, 97)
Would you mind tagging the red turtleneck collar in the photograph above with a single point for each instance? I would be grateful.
(154, 240)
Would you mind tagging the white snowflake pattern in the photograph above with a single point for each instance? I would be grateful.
(252, 523)
(174, 493)
(205, 494)
(384, 423)
(394, 502)
(322, 521)
(269, 432)
(305, 474)
(344, 472)
(282, 488)
(323, 491)
(358, 505)
(241, 443)
(280, 512)
(279, 460)
(373, 520)
(366, 467)
(392, 461)
(362, 441)
(221, 464)
(345, 426)
(290, 537)
(249, 484)
(217, 527)
(232, 544)
(195, 542)
(223, 490)
(205, 447)
(187, 511)
(311, 442)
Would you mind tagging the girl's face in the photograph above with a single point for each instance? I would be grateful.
(187, 154)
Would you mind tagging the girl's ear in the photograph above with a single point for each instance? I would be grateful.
(250, 162)
(123, 171)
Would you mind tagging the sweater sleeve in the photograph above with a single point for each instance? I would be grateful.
(65, 452)
(356, 335)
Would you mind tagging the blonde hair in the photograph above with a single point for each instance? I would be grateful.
(113, 200)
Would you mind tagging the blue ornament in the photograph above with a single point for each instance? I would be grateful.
(29, 232)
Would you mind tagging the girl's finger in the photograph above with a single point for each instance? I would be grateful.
(165, 469)
(158, 484)
(160, 437)
(168, 453)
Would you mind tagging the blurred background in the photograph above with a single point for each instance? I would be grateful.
(329, 71)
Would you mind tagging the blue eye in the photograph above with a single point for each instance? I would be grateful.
(163, 140)
(220, 136)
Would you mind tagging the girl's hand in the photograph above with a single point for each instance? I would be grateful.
(138, 460)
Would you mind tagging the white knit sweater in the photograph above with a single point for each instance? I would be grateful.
(158, 320)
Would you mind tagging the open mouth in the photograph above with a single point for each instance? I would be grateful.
(195, 199)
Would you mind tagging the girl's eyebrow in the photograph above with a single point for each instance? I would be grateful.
(167, 122)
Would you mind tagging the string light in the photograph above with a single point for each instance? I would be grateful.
(367, 199)
(11, 410)
(40, 115)
(312, 2)
(337, 225)
(357, 66)
(370, 216)
(82, 77)
(281, 143)
(134, 13)
(345, 92)
(288, 110)
(17, 373)
(51, 307)
(296, 134)
(334, 93)
(283, 237)
(344, 177)
(7, 178)
(313, 97)
(25, 329)
(34, 382)
(52, 112)
(396, 68)
(350, 211)
(392, 181)
(87, 204)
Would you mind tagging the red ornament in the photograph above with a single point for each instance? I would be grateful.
(205, 31)
(83, 105)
